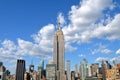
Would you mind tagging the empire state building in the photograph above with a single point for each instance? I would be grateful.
(58, 53)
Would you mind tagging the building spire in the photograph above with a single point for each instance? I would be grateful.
(58, 26)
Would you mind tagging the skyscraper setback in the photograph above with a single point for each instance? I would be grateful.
(58, 53)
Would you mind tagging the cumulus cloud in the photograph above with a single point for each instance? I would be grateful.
(106, 51)
(118, 51)
(110, 31)
(61, 19)
(86, 24)
(101, 49)
(99, 59)
(8, 51)
(41, 47)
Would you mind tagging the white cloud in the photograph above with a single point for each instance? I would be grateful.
(8, 51)
(106, 51)
(28, 48)
(81, 55)
(61, 19)
(83, 26)
(99, 59)
(9, 45)
(44, 38)
(110, 31)
(101, 49)
(118, 51)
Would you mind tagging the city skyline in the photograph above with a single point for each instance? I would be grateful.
(27, 29)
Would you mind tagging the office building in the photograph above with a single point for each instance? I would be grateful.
(89, 74)
(94, 69)
(108, 65)
(83, 69)
(20, 69)
(72, 75)
(2, 71)
(58, 53)
(76, 70)
(104, 68)
(31, 68)
(68, 70)
(51, 72)
(1, 63)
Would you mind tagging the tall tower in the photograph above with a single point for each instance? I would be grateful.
(20, 70)
(83, 67)
(68, 70)
(58, 52)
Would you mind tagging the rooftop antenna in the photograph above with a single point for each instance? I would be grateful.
(58, 22)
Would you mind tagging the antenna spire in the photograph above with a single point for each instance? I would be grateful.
(58, 24)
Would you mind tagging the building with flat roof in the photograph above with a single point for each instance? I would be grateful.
(20, 69)
(51, 72)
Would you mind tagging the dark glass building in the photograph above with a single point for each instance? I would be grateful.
(20, 69)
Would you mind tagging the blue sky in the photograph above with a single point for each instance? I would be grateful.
(91, 30)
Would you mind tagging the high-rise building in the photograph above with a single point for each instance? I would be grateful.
(89, 74)
(83, 69)
(58, 53)
(68, 70)
(20, 70)
(41, 69)
(72, 75)
(76, 70)
(104, 70)
(95, 69)
(42, 64)
(108, 65)
(51, 72)
(31, 68)
(1, 63)
(2, 71)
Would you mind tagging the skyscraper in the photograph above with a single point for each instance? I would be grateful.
(104, 69)
(95, 68)
(58, 53)
(68, 70)
(2, 71)
(20, 70)
(89, 74)
(83, 68)
(76, 70)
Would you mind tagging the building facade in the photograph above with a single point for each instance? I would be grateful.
(51, 72)
(89, 74)
(83, 69)
(20, 69)
(2, 72)
(94, 69)
(68, 70)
